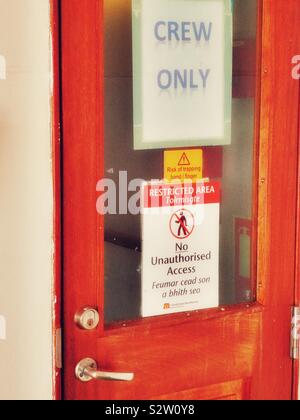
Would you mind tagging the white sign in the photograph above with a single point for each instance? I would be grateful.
(182, 72)
(180, 252)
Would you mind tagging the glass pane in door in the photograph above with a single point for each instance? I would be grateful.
(232, 166)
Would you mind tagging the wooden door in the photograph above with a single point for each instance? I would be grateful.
(241, 349)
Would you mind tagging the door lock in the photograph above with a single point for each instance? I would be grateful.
(87, 370)
(87, 318)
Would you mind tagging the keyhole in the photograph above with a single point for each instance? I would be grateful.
(90, 322)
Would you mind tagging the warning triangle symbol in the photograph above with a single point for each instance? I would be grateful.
(184, 160)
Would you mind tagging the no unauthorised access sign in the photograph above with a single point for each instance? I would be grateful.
(180, 261)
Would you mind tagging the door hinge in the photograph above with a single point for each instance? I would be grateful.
(58, 348)
(295, 333)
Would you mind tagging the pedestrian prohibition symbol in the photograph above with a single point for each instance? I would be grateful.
(182, 224)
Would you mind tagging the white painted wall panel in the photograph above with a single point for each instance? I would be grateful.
(26, 206)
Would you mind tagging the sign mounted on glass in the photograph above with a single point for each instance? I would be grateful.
(180, 257)
(182, 59)
(182, 165)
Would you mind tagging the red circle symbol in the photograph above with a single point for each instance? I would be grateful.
(182, 224)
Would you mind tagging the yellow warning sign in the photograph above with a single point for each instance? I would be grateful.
(183, 165)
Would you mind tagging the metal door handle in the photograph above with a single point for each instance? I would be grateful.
(87, 370)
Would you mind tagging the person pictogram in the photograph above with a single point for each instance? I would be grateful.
(182, 224)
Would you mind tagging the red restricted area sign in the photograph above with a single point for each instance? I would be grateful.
(180, 252)
(174, 195)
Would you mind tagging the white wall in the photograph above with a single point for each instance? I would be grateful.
(26, 200)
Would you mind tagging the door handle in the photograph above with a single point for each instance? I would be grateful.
(87, 370)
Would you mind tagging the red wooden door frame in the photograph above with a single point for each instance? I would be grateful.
(82, 42)
(278, 185)
(57, 189)
(296, 384)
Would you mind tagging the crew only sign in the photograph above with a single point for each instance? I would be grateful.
(180, 257)
(182, 52)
